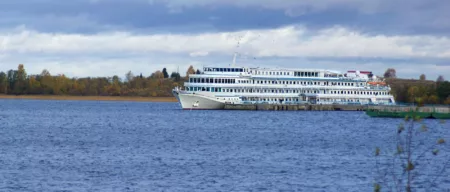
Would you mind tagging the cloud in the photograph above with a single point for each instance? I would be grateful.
(289, 41)
(114, 53)
(198, 54)
(392, 17)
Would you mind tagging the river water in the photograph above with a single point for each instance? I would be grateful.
(145, 146)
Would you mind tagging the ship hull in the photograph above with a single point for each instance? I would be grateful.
(189, 101)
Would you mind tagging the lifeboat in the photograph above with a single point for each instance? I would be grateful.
(376, 83)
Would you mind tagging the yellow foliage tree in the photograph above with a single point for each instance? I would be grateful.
(447, 101)
(190, 70)
(433, 99)
(413, 92)
(158, 75)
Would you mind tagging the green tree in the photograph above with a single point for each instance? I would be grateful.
(20, 80)
(443, 90)
(3, 83)
(166, 75)
(12, 78)
(390, 73)
(176, 76)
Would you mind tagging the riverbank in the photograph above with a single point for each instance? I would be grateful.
(90, 98)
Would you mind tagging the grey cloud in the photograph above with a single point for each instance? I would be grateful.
(179, 16)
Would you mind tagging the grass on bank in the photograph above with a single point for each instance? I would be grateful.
(90, 98)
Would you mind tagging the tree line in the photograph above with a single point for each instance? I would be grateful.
(420, 91)
(160, 84)
(157, 84)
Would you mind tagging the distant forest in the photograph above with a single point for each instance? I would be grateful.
(160, 84)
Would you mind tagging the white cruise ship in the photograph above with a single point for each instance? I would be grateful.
(216, 86)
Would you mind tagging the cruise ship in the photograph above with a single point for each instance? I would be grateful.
(217, 86)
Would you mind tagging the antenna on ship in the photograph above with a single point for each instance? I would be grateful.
(234, 60)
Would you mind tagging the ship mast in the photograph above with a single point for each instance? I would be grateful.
(234, 60)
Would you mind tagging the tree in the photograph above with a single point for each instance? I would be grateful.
(433, 99)
(443, 90)
(176, 76)
(410, 157)
(198, 72)
(157, 75)
(129, 76)
(440, 79)
(390, 73)
(46, 82)
(3, 83)
(12, 78)
(447, 101)
(422, 77)
(164, 71)
(190, 70)
(20, 83)
(413, 93)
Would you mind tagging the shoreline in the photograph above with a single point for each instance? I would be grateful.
(90, 98)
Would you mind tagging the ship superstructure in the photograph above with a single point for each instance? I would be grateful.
(216, 86)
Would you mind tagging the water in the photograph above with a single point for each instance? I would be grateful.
(132, 146)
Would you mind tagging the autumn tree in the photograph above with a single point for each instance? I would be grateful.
(390, 73)
(164, 71)
(413, 94)
(190, 70)
(422, 77)
(157, 75)
(34, 86)
(433, 99)
(46, 82)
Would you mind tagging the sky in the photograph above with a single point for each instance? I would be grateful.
(81, 38)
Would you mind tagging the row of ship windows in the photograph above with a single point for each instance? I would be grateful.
(224, 69)
(218, 89)
(296, 73)
(319, 99)
(268, 82)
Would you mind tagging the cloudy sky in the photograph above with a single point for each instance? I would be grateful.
(106, 37)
